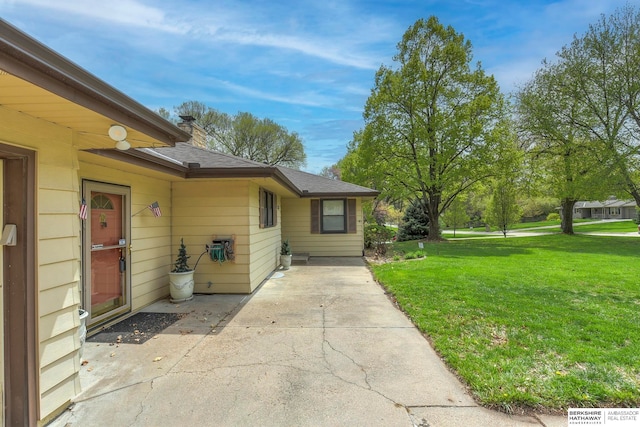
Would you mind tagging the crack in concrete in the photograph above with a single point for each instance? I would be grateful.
(142, 402)
(363, 370)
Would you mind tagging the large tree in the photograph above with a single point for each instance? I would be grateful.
(433, 125)
(603, 67)
(245, 135)
(580, 113)
(559, 154)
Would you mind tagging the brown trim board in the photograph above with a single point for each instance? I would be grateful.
(20, 290)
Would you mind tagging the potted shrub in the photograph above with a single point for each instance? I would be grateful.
(181, 277)
(285, 255)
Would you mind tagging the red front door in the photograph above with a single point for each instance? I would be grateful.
(106, 241)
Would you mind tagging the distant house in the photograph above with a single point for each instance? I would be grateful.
(611, 208)
(86, 236)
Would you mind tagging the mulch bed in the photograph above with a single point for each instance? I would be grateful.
(136, 329)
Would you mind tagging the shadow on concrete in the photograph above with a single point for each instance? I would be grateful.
(205, 314)
(335, 261)
(137, 329)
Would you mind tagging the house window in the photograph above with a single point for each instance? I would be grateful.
(268, 214)
(333, 216)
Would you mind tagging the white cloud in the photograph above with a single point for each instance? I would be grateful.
(323, 49)
(306, 98)
(331, 33)
(118, 12)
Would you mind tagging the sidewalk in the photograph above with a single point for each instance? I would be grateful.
(317, 345)
(535, 231)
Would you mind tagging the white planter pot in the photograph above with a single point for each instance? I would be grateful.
(82, 331)
(181, 286)
(285, 261)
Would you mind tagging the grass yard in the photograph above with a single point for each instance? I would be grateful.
(554, 226)
(553, 223)
(462, 235)
(543, 323)
(607, 227)
(578, 227)
(521, 225)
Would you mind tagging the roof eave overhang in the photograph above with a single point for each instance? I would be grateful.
(245, 172)
(191, 171)
(137, 158)
(32, 61)
(362, 194)
(274, 173)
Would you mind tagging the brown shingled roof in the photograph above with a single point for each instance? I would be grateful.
(318, 186)
(209, 159)
(204, 163)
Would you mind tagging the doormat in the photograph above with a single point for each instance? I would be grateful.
(137, 329)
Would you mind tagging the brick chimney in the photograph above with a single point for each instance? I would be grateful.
(198, 135)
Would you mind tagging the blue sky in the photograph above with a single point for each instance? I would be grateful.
(307, 64)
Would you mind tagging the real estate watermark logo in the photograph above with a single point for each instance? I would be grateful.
(614, 417)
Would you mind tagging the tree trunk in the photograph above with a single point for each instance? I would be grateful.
(636, 196)
(567, 215)
(434, 219)
(632, 188)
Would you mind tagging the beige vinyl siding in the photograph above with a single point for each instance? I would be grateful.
(296, 226)
(204, 209)
(264, 242)
(150, 235)
(150, 241)
(58, 252)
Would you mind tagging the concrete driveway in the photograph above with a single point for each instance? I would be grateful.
(317, 345)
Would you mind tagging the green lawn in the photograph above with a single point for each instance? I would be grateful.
(578, 227)
(461, 235)
(555, 223)
(547, 322)
(543, 227)
(521, 225)
(607, 227)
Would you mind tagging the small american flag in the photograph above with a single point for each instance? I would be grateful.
(83, 210)
(155, 208)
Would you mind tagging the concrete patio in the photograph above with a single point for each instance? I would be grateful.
(317, 345)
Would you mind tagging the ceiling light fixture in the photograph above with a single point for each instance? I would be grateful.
(123, 145)
(119, 134)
